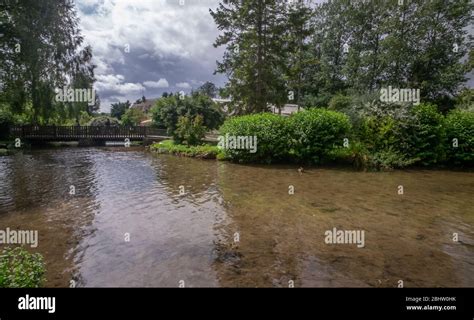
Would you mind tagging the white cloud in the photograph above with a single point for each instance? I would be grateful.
(115, 84)
(166, 40)
(183, 85)
(162, 83)
(162, 27)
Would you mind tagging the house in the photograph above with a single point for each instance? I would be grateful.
(144, 106)
(286, 110)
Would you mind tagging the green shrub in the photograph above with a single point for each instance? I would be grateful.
(133, 117)
(190, 131)
(203, 151)
(460, 125)
(104, 121)
(340, 102)
(21, 269)
(315, 132)
(272, 137)
(414, 137)
(422, 136)
(378, 133)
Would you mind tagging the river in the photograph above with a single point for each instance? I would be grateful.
(141, 219)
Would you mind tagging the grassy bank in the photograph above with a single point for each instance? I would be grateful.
(202, 151)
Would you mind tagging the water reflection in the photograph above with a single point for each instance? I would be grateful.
(128, 224)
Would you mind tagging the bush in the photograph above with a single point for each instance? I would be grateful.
(378, 133)
(460, 125)
(190, 131)
(21, 269)
(416, 136)
(272, 137)
(340, 103)
(422, 136)
(203, 152)
(315, 132)
(104, 121)
(133, 117)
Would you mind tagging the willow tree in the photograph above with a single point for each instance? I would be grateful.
(41, 51)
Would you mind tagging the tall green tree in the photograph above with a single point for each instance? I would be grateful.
(118, 109)
(296, 45)
(252, 34)
(41, 52)
(209, 89)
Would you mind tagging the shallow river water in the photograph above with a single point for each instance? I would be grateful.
(140, 219)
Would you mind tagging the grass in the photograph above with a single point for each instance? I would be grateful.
(203, 151)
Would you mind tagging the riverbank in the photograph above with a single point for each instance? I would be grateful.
(202, 152)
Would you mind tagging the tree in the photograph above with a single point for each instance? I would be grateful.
(209, 89)
(133, 117)
(118, 109)
(167, 111)
(252, 35)
(417, 44)
(41, 52)
(190, 130)
(298, 29)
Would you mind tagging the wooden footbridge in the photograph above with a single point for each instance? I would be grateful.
(99, 134)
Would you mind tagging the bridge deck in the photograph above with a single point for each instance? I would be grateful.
(75, 133)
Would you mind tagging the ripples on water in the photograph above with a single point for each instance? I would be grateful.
(189, 237)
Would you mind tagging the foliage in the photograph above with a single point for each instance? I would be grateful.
(118, 109)
(21, 269)
(133, 117)
(315, 132)
(339, 46)
(272, 137)
(42, 49)
(378, 133)
(423, 135)
(202, 151)
(190, 131)
(340, 102)
(209, 89)
(167, 111)
(104, 121)
(416, 136)
(460, 125)
(465, 99)
(252, 35)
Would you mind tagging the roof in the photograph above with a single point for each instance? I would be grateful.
(145, 106)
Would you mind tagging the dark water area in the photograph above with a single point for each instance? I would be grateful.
(129, 223)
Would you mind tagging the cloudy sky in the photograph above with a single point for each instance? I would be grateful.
(146, 47)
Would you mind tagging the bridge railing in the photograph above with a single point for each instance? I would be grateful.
(84, 132)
